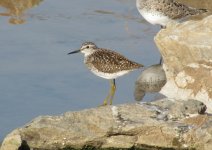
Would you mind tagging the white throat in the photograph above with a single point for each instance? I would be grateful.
(87, 52)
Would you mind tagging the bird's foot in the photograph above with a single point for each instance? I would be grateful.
(163, 27)
(111, 101)
(104, 103)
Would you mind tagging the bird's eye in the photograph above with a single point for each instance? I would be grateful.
(87, 46)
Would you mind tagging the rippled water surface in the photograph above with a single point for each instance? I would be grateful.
(37, 77)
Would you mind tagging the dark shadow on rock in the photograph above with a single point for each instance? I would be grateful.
(24, 146)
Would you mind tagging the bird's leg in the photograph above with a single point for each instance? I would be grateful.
(111, 93)
(112, 90)
(163, 27)
(161, 60)
(108, 96)
(105, 100)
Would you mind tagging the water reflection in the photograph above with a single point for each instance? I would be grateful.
(128, 17)
(125, 16)
(152, 79)
(15, 9)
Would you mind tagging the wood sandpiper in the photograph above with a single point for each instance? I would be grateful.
(163, 11)
(107, 64)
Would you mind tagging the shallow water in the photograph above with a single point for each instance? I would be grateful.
(38, 77)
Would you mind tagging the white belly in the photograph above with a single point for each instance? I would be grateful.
(109, 75)
(155, 18)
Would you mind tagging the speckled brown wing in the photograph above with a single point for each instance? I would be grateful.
(108, 61)
(175, 10)
(184, 10)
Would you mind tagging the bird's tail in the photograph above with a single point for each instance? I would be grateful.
(202, 11)
(194, 11)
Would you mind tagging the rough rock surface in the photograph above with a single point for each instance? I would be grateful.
(186, 49)
(156, 125)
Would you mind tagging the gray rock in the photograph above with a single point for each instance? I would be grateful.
(155, 125)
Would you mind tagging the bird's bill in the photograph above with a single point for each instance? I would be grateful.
(76, 51)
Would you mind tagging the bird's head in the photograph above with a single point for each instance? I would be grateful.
(87, 48)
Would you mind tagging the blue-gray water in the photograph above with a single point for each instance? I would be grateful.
(37, 77)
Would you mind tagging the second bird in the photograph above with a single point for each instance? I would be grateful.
(163, 11)
(107, 64)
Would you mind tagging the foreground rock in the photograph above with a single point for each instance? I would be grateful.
(160, 124)
(186, 49)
